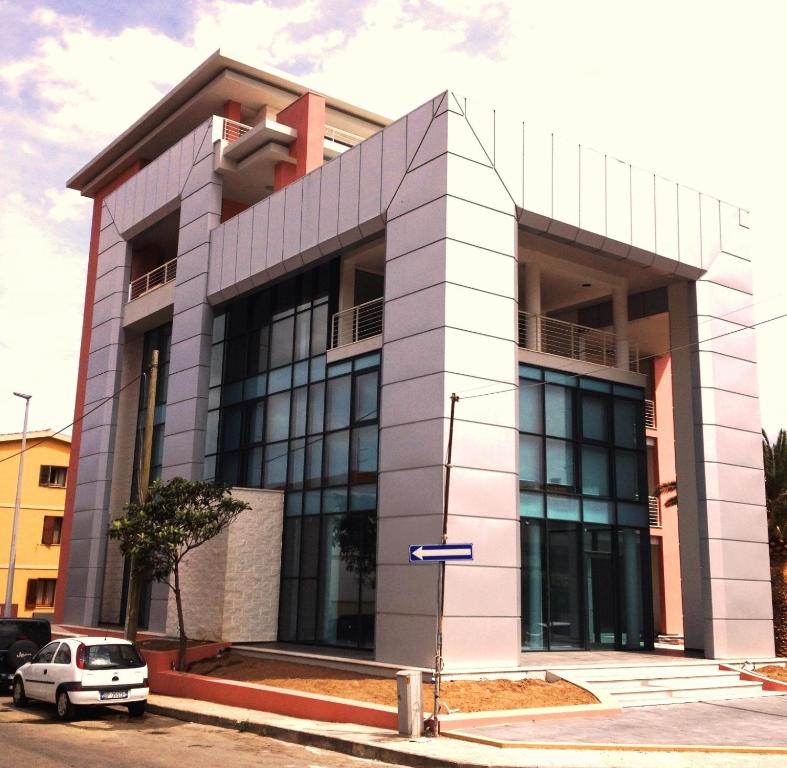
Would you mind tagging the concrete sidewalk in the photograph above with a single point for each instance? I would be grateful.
(595, 751)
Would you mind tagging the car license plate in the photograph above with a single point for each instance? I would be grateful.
(104, 695)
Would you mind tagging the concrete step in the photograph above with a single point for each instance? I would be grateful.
(722, 679)
(651, 672)
(678, 688)
(641, 685)
(688, 697)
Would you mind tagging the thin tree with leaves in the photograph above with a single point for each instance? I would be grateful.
(175, 518)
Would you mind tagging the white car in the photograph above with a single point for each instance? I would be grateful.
(84, 672)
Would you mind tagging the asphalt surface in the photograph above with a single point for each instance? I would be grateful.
(106, 736)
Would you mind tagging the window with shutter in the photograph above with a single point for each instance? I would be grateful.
(47, 536)
(52, 530)
(30, 597)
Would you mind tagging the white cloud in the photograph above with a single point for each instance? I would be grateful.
(66, 205)
(40, 314)
(684, 89)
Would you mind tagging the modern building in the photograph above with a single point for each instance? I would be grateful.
(39, 531)
(319, 281)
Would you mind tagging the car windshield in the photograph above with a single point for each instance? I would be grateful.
(112, 656)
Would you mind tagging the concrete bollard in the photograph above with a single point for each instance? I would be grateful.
(410, 703)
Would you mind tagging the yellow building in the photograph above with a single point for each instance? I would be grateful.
(40, 517)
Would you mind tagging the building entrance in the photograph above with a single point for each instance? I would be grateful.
(583, 587)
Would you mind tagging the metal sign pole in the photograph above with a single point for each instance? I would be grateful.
(438, 657)
(9, 589)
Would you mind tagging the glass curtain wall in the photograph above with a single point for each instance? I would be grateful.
(583, 512)
(281, 418)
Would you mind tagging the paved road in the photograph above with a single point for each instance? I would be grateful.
(33, 738)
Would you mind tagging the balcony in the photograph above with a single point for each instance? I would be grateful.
(364, 321)
(232, 130)
(151, 280)
(650, 414)
(578, 342)
(654, 512)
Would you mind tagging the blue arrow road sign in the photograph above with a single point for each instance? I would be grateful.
(435, 553)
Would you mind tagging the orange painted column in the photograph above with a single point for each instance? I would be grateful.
(79, 405)
(670, 540)
(232, 110)
(307, 116)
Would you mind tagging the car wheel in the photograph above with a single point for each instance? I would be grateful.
(136, 708)
(65, 709)
(20, 700)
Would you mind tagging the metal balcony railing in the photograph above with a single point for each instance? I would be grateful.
(650, 414)
(233, 130)
(357, 323)
(342, 137)
(153, 279)
(557, 337)
(654, 512)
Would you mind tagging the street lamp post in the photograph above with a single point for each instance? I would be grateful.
(9, 588)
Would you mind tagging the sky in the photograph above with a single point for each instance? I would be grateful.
(692, 90)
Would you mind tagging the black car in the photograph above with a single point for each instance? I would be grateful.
(20, 639)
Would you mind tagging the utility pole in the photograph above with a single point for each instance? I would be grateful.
(438, 657)
(9, 587)
(132, 603)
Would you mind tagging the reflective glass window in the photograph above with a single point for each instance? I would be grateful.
(276, 465)
(560, 464)
(559, 412)
(255, 425)
(278, 417)
(298, 418)
(531, 504)
(531, 407)
(302, 323)
(595, 418)
(366, 397)
(595, 471)
(363, 455)
(337, 415)
(531, 461)
(627, 475)
(337, 452)
(296, 463)
(254, 468)
(316, 407)
(230, 433)
(626, 423)
(281, 342)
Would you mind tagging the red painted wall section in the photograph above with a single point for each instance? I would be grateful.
(230, 208)
(232, 110)
(307, 116)
(279, 700)
(84, 349)
(665, 451)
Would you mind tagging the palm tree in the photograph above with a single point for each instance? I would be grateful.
(774, 460)
(670, 487)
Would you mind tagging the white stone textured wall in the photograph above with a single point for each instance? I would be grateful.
(231, 584)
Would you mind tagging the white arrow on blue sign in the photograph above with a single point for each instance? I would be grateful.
(436, 553)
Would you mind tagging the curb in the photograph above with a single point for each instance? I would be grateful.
(686, 749)
(347, 746)
(306, 738)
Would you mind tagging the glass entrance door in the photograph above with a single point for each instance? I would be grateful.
(600, 588)
(565, 593)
